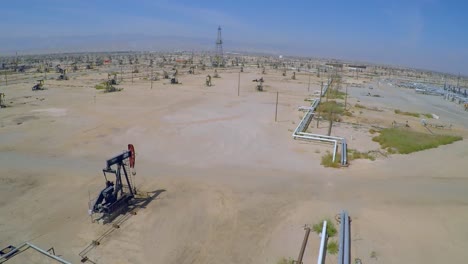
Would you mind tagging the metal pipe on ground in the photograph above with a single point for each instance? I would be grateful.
(40, 250)
(318, 135)
(341, 239)
(334, 151)
(344, 148)
(304, 244)
(322, 139)
(347, 240)
(344, 256)
(48, 254)
(323, 244)
(344, 151)
(315, 138)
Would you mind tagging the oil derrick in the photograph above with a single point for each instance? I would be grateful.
(218, 59)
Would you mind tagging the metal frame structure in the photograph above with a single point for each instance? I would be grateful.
(115, 195)
(26, 246)
(219, 58)
(299, 132)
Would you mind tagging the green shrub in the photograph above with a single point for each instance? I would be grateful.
(331, 106)
(406, 141)
(327, 161)
(399, 112)
(354, 154)
(331, 229)
(100, 86)
(428, 115)
(335, 94)
(332, 247)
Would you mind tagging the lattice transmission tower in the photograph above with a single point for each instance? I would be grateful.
(219, 59)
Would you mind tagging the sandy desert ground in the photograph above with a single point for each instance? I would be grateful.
(231, 184)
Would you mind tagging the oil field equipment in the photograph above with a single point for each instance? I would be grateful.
(259, 85)
(63, 75)
(118, 194)
(208, 80)
(2, 100)
(39, 86)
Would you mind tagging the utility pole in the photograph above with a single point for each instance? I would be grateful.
(328, 89)
(330, 119)
(238, 85)
(320, 98)
(304, 244)
(330, 112)
(346, 97)
(321, 91)
(276, 110)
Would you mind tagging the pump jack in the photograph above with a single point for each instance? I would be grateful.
(116, 195)
(208, 80)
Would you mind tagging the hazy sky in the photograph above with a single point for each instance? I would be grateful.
(427, 34)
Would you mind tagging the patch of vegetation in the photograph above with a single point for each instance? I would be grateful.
(373, 255)
(331, 229)
(428, 115)
(332, 247)
(372, 131)
(399, 112)
(284, 260)
(404, 141)
(331, 109)
(335, 94)
(331, 106)
(327, 161)
(347, 113)
(354, 154)
(101, 86)
(360, 106)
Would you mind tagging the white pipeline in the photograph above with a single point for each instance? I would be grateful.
(321, 256)
(308, 136)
